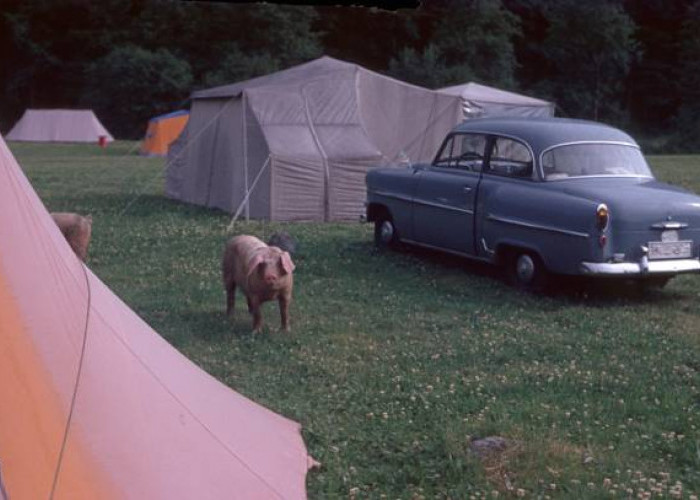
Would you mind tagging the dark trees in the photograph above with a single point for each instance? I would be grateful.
(629, 62)
(589, 48)
(129, 85)
(468, 40)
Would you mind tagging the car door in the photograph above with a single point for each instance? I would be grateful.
(443, 203)
(508, 193)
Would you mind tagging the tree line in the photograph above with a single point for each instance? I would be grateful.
(631, 63)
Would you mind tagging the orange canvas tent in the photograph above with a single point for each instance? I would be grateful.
(96, 405)
(163, 130)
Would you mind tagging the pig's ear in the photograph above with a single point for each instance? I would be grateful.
(254, 263)
(287, 263)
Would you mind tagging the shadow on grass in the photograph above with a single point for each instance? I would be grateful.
(580, 290)
(215, 326)
(133, 205)
(192, 325)
(609, 292)
(152, 204)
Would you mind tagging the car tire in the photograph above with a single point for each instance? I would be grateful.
(526, 270)
(385, 235)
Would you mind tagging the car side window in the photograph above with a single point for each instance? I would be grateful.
(463, 152)
(510, 158)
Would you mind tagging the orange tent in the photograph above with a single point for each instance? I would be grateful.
(162, 130)
(96, 405)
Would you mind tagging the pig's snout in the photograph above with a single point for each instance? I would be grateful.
(268, 274)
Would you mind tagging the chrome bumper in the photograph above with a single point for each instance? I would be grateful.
(642, 268)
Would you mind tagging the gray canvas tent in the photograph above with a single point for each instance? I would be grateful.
(59, 125)
(300, 141)
(481, 101)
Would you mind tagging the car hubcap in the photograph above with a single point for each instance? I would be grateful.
(525, 269)
(386, 231)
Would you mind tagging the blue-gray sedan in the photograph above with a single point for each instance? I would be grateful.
(570, 197)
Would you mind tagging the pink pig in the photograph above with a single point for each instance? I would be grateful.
(264, 273)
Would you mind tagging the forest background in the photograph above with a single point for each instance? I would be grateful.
(631, 63)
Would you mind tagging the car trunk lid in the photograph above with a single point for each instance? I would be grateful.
(644, 212)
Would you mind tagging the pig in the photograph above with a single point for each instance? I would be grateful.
(77, 230)
(262, 272)
(284, 241)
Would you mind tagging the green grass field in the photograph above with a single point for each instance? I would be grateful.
(396, 360)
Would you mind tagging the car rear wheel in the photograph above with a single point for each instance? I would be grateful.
(385, 233)
(526, 270)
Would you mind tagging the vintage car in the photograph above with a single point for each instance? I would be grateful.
(541, 196)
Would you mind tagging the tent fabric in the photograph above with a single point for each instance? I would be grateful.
(316, 128)
(59, 125)
(95, 404)
(482, 101)
(162, 131)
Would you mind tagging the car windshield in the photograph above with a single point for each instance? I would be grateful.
(594, 159)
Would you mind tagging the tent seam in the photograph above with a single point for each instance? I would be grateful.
(422, 134)
(360, 116)
(324, 157)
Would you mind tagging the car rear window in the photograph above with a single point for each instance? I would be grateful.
(594, 159)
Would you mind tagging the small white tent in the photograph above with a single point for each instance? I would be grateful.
(59, 125)
(481, 101)
(296, 144)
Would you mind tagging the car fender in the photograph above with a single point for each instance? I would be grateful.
(391, 189)
(559, 227)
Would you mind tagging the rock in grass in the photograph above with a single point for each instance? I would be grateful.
(284, 241)
(484, 447)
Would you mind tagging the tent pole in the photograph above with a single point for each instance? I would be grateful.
(245, 200)
(245, 156)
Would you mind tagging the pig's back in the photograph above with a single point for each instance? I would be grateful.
(244, 248)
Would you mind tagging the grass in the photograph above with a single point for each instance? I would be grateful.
(398, 359)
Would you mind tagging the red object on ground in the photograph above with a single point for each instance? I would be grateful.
(102, 141)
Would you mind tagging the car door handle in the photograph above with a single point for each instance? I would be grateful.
(467, 189)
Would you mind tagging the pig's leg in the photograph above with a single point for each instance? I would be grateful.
(254, 308)
(284, 301)
(230, 297)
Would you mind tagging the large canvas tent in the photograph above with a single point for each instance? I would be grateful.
(96, 405)
(300, 141)
(481, 101)
(162, 131)
(59, 125)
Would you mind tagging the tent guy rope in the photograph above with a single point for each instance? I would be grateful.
(247, 195)
(78, 375)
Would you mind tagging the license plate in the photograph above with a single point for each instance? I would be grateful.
(670, 249)
(668, 236)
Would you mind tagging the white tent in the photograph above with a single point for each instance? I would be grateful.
(59, 125)
(480, 101)
(300, 141)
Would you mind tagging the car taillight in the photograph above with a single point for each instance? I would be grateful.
(602, 216)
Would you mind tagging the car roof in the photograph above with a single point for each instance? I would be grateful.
(542, 133)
